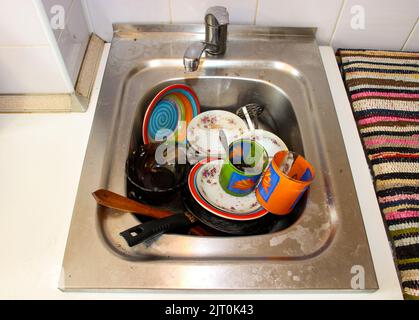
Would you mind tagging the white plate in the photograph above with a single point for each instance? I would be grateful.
(271, 142)
(203, 131)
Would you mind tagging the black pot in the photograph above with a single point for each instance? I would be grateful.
(154, 182)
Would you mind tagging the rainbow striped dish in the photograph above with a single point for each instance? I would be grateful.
(169, 114)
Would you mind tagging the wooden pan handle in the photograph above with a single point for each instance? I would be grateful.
(115, 201)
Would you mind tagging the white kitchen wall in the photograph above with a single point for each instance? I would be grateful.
(73, 38)
(187, 11)
(322, 14)
(36, 59)
(389, 24)
(29, 59)
(105, 12)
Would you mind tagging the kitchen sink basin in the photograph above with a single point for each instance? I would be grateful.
(279, 68)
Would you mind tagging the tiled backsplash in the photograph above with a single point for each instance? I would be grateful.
(187, 11)
(30, 62)
(322, 14)
(104, 12)
(388, 24)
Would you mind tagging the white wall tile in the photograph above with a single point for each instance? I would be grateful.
(387, 24)
(412, 43)
(322, 14)
(66, 4)
(104, 13)
(190, 11)
(20, 24)
(74, 39)
(30, 70)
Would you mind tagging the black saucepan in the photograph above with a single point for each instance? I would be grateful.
(153, 182)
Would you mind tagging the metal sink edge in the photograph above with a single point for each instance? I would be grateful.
(92, 263)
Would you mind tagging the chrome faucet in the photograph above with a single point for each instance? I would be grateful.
(216, 21)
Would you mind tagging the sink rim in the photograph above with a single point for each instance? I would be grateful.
(69, 268)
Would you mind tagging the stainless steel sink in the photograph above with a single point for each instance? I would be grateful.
(279, 68)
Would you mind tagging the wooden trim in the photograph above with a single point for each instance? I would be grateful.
(77, 101)
(90, 66)
(36, 103)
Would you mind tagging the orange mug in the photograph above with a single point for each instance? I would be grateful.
(279, 192)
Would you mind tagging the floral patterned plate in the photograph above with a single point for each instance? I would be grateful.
(271, 142)
(203, 131)
(205, 188)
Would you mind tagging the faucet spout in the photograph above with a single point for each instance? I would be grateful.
(216, 21)
(193, 55)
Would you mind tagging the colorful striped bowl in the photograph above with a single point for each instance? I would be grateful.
(169, 114)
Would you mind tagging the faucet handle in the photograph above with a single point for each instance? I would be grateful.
(217, 16)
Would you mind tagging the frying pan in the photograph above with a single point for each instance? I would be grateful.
(266, 224)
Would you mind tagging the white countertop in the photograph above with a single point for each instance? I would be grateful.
(41, 157)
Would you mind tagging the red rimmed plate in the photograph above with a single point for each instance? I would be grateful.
(186, 91)
(204, 186)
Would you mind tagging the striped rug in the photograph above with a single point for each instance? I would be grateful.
(383, 87)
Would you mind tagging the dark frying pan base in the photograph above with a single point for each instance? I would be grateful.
(266, 224)
(224, 227)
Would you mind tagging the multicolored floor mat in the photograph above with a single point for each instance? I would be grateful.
(383, 87)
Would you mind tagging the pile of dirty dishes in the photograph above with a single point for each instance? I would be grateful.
(219, 144)
(228, 172)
